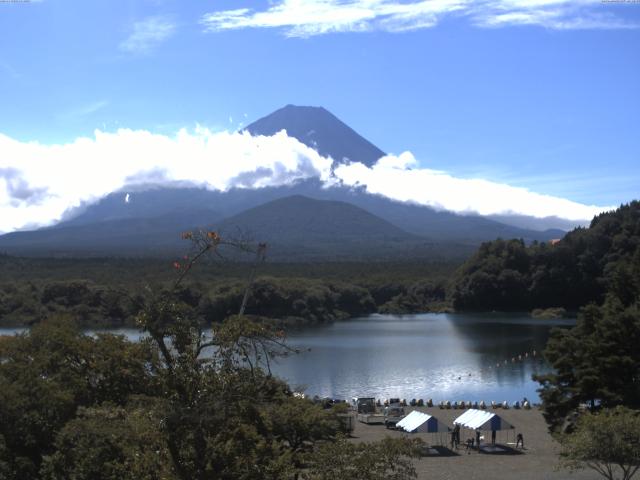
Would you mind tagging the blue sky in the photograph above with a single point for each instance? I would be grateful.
(541, 94)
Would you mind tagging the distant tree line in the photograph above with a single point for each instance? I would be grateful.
(293, 300)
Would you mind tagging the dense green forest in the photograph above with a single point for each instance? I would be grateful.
(579, 269)
(107, 292)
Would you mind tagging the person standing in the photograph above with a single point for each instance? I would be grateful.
(493, 437)
(520, 441)
(469, 444)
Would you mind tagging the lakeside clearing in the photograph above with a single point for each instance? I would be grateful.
(536, 462)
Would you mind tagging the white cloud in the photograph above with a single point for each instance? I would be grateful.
(148, 34)
(305, 18)
(38, 183)
(397, 178)
(64, 176)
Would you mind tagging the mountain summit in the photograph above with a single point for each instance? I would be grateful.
(321, 130)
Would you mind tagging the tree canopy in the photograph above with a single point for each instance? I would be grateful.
(607, 442)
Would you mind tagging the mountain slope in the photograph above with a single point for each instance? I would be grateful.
(441, 226)
(540, 224)
(122, 236)
(412, 218)
(311, 229)
(150, 202)
(295, 227)
(297, 218)
(321, 130)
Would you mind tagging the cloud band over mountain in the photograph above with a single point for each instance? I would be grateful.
(39, 183)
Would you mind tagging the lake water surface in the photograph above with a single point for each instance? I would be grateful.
(438, 356)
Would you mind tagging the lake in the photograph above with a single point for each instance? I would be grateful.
(439, 356)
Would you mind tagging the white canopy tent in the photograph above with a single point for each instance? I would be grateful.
(421, 422)
(482, 420)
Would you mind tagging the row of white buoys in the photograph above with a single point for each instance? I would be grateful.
(503, 363)
(519, 358)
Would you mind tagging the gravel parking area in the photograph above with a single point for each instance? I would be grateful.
(537, 461)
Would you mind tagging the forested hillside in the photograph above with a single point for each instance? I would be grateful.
(577, 270)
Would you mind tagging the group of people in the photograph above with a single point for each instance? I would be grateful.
(475, 442)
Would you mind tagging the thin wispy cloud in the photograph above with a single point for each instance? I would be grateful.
(9, 70)
(313, 17)
(84, 110)
(147, 34)
(551, 14)
(305, 18)
(39, 183)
